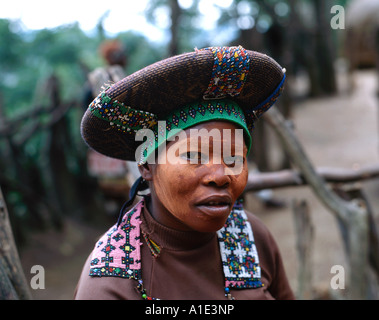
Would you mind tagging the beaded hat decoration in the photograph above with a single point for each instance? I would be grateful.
(229, 72)
(216, 83)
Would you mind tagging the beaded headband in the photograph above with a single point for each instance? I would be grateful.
(191, 115)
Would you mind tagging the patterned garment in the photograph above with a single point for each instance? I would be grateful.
(118, 252)
(238, 251)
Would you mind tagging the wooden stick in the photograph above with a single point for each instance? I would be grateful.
(12, 278)
(304, 245)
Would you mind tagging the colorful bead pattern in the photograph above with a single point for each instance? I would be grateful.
(204, 110)
(154, 248)
(123, 118)
(230, 69)
(118, 254)
(238, 252)
(254, 114)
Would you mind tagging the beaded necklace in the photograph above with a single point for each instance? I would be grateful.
(118, 252)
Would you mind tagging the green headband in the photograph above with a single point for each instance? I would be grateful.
(191, 115)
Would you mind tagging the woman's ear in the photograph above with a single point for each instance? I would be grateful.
(146, 171)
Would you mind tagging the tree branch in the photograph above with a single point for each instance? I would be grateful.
(290, 178)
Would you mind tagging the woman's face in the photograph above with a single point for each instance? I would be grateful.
(198, 184)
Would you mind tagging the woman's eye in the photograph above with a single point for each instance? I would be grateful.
(194, 156)
(190, 155)
(233, 160)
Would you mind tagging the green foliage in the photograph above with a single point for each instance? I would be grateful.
(11, 47)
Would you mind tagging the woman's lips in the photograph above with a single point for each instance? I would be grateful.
(215, 205)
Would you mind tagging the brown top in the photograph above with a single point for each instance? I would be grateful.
(189, 267)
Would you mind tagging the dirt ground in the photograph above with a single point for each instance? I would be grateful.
(340, 131)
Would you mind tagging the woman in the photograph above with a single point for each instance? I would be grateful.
(190, 237)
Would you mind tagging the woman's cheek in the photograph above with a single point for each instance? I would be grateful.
(240, 182)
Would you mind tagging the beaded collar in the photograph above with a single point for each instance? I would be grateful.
(118, 252)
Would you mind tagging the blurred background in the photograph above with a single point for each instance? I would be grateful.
(54, 56)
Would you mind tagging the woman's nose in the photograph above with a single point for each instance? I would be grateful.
(216, 176)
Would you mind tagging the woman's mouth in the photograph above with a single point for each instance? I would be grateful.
(215, 205)
(212, 203)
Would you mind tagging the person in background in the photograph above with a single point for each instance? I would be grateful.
(114, 56)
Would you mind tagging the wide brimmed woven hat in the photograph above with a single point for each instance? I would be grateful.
(216, 83)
